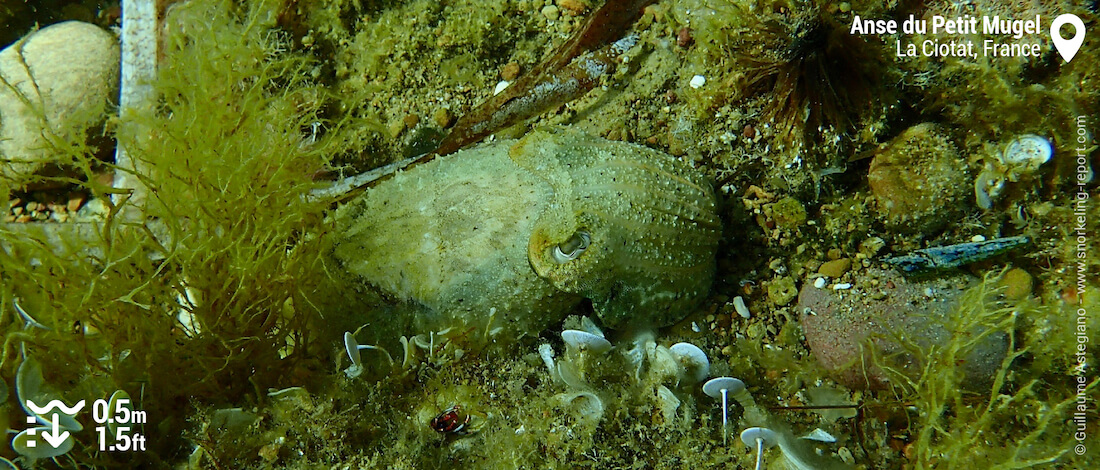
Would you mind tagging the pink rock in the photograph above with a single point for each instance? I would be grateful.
(840, 325)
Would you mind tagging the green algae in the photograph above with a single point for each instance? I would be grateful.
(216, 297)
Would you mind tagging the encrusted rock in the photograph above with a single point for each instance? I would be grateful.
(919, 180)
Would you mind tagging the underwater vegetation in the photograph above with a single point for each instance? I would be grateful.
(234, 312)
(213, 301)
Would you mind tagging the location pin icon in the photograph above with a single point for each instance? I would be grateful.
(1067, 47)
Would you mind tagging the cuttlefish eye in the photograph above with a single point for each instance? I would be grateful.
(572, 248)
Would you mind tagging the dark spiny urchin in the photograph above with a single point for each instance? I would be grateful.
(816, 81)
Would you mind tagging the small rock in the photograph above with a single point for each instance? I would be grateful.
(74, 203)
(572, 7)
(839, 326)
(919, 181)
(411, 121)
(782, 291)
(836, 268)
(443, 118)
(510, 71)
(788, 213)
(550, 12)
(395, 128)
(683, 37)
(270, 452)
(71, 70)
(1018, 284)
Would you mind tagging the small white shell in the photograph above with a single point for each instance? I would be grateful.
(820, 435)
(694, 361)
(586, 407)
(667, 403)
(585, 341)
(1028, 150)
(742, 309)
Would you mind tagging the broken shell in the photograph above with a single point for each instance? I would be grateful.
(694, 361)
(741, 308)
(586, 407)
(585, 341)
(1027, 151)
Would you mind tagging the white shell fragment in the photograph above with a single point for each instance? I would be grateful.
(546, 352)
(585, 341)
(819, 282)
(697, 81)
(820, 435)
(693, 360)
(741, 308)
(1028, 151)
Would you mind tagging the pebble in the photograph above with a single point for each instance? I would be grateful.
(697, 81)
(443, 118)
(572, 7)
(782, 291)
(395, 128)
(74, 203)
(836, 268)
(510, 71)
(1018, 284)
(70, 70)
(551, 12)
(683, 37)
(819, 282)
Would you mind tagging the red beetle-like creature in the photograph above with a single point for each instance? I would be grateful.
(451, 421)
